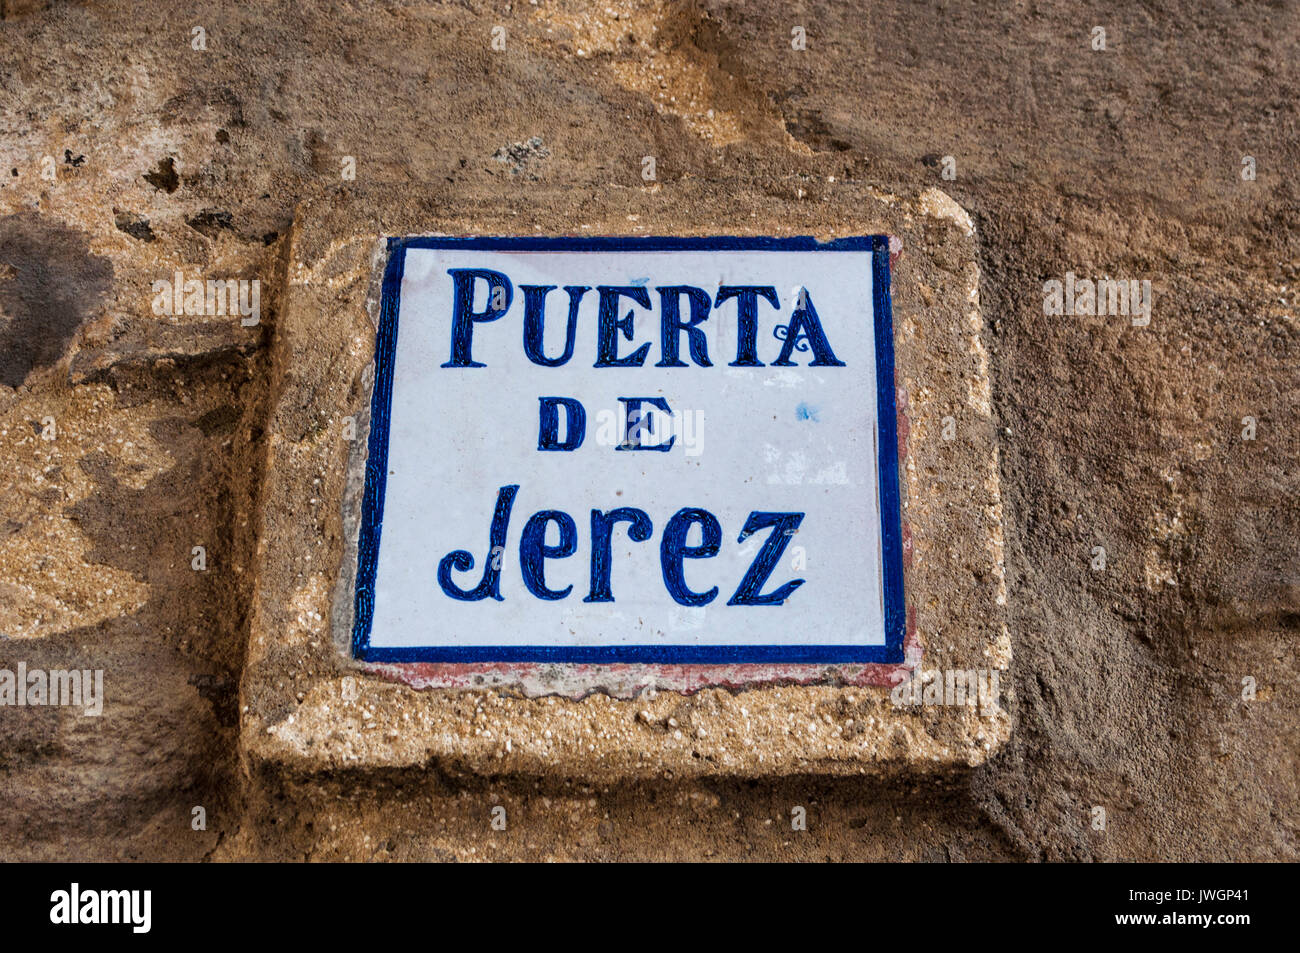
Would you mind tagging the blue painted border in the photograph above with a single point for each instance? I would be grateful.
(372, 508)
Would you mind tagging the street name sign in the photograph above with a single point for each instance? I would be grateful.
(563, 489)
(632, 450)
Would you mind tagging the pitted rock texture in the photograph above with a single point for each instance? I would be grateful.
(1127, 686)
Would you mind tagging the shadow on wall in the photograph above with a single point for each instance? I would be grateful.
(50, 283)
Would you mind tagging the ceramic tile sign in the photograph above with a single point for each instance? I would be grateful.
(678, 451)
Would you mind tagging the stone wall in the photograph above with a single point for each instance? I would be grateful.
(132, 147)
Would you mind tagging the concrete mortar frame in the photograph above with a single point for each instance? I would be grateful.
(308, 706)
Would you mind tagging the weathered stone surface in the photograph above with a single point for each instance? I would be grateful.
(1127, 684)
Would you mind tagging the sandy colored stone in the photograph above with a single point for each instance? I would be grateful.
(1126, 688)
